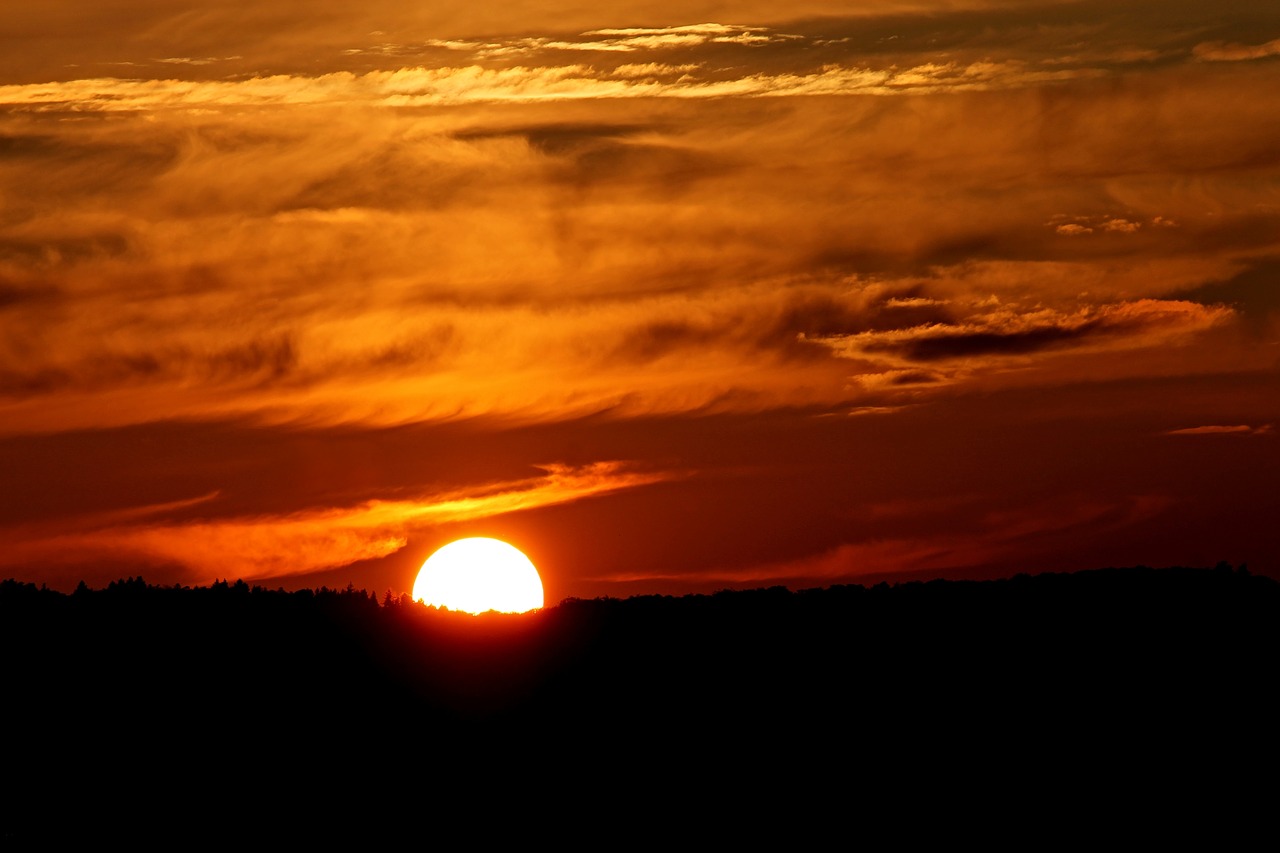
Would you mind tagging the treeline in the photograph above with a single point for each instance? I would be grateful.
(248, 656)
(197, 683)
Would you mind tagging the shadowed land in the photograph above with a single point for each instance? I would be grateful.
(237, 694)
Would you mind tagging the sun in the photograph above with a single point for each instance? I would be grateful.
(478, 575)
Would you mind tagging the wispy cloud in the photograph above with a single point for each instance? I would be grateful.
(422, 86)
(1013, 333)
(1238, 429)
(1219, 51)
(686, 29)
(308, 540)
(188, 60)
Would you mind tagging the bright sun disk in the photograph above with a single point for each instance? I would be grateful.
(477, 575)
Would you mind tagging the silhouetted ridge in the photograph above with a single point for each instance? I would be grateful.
(289, 688)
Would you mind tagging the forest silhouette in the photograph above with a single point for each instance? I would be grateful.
(201, 691)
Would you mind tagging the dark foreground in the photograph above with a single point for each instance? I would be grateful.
(213, 710)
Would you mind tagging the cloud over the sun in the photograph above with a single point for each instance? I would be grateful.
(267, 546)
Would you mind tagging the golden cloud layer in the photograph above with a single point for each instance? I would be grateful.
(377, 215)
(427, 87)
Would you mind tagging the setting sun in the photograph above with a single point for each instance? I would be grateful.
(477, 575)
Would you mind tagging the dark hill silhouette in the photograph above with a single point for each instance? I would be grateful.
(259, 695)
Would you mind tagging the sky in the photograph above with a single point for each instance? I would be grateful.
(674, 297)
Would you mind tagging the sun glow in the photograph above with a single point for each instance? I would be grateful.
(477, 575)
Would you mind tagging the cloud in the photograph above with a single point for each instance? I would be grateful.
(186, 60)
(308, 540)
(454, 44)
(631, 43)
(913, 302)
(619, 41)
(652, 69)
(422, 86)
(1218, 51)
(696, 29)
(1083, 225)
(657, 236)
(1011, 333)
(1240, 429)
(889, 383)
(255, 362)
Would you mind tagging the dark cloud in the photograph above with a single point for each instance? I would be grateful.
(815, 313)
(257, 363)
(386, 177)
(954, 343)
(104, 154)
(23, 146)
(654, 340)
(1017, 334)
(264, 362)
(418, 352)
(560, 137)
(62, 249)
(1255, 292)
(657, 168)
(104, 371)
(1224, 52)
(915, 377)
(14, 295)
(790, 324)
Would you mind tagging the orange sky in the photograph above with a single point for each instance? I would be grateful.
(672, 296)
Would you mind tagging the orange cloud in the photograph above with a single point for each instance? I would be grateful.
(304, 541)
(1218, 51)
(421, 86)
(1010, 333)
(572, 238)
(1240, 429)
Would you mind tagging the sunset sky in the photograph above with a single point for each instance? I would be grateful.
(674, 297)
